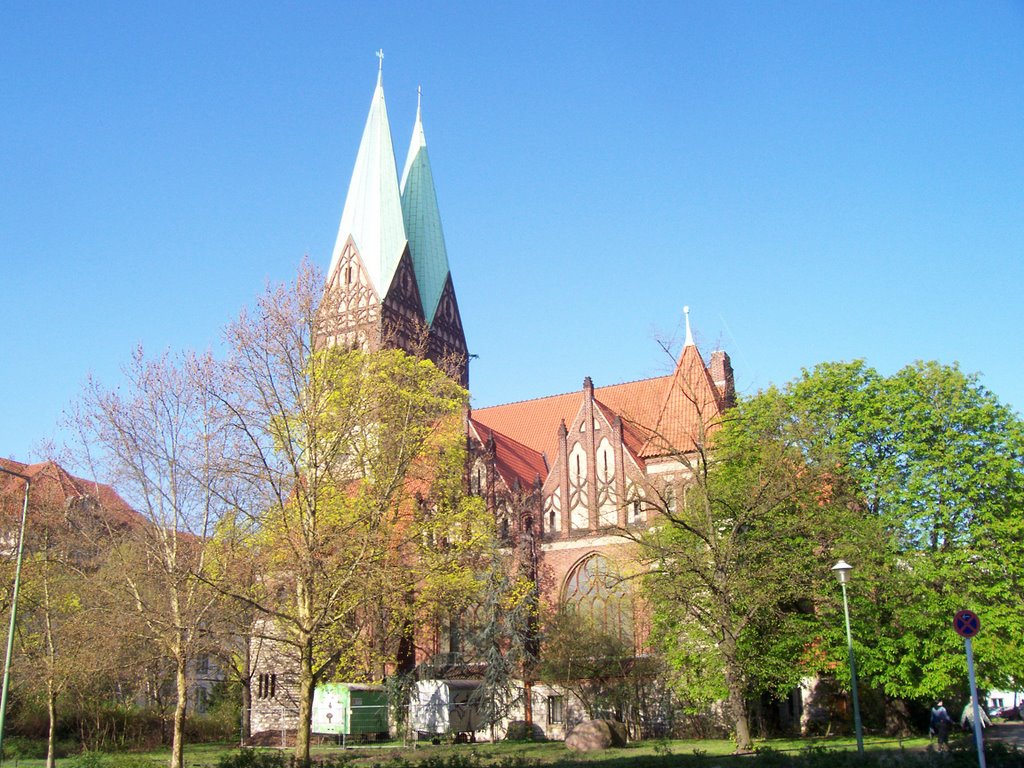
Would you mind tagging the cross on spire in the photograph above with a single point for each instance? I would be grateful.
(380, 55)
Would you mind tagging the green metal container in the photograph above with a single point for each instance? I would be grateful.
(350, 709)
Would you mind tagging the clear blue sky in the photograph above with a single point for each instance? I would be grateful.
(818, 181)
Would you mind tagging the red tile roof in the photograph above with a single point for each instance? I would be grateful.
(52, 485)
(513, 460)
(533, 423)
(661, 415)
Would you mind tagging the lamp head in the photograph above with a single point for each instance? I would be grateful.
(842, 571)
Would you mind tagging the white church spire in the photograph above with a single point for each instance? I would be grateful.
(689, 334)
(373, 209)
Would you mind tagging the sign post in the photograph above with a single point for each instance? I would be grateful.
(967, 624)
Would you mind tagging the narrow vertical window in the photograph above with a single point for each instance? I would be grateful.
(556, 709)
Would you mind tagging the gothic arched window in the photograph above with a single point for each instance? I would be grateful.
(595, 590)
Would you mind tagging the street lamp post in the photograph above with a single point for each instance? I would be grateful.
(842, 571)
(14, 607)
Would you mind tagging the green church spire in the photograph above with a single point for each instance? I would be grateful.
(422, 220)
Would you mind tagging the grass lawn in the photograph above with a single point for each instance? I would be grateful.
(649, 754)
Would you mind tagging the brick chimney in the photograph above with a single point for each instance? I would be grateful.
(721, 374)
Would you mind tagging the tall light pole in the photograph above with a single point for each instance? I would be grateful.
(14, 607)
(842, 571)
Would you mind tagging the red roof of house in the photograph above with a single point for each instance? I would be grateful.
(52, 485)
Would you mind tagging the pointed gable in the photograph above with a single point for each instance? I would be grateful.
(633, 439)
(422, 220)
(690, 409)
(447, 320)
(535, 422)
(403, 294)
(372, 216)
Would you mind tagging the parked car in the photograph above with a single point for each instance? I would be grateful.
(1008, 713)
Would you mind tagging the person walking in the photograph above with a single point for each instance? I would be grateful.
(939, 725)
(967, 717)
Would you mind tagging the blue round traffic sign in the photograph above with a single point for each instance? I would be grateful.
(966, 623)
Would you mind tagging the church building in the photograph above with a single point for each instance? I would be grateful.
(564, 474)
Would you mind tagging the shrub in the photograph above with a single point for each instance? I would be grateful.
(88, 759)
(251, 758)
(22, 748)
(91, 759)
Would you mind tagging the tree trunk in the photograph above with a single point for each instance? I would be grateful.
(178, 737)
(51, 737)
(246, 677)
(738, 708)
(306, 688)
(51, 666)
(898, 720)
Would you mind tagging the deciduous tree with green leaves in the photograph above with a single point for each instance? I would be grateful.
(62, 610)
(938, 462)
(348, 467)
(737, 554)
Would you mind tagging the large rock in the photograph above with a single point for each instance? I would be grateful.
(520, 730)
(592, 735)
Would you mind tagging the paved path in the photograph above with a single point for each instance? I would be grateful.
(1009, 733)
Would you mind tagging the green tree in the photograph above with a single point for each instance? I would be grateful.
(737, 556)
(939, 464)
(55, 625)
(58, 601)
(600, 667)
(347, 468)
(503, 635)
